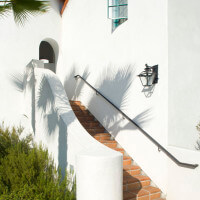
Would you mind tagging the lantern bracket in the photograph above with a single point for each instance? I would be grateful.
(155, 70)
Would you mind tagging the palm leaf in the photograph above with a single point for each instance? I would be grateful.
(22, 9)
(5, 9)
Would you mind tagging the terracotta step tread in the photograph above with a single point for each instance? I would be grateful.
(126, 158)
(91, 124)
(100, 138)
(75, 102)
(135, 170)
(95, 130)
(152, 189)
(82, 112)
(131, 167)
(100, 134)
(86, 118)
(113, 145)
(78, 106)
(146, 190)
(100, 128)
(118, 149)
(134, 179)
(132, 172)
(128, 196)
(160, 199)
(143, 192)
(109, 141)
(139, 192)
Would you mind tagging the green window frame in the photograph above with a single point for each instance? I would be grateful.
(117, 9)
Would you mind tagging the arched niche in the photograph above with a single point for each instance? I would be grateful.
(49, 51)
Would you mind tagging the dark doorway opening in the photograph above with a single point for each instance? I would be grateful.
(46, 52)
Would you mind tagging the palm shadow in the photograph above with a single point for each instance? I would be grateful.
(48, 108)
(23, 82)
(53, 107)
(115, 86)
(17, 80)
(72, 87)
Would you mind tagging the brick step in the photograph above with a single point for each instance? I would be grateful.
(93, 124)
(75, 102)
(78, 107)
(120, 150)
(160, 199)
(109, 143)
(135, 182)
(100, 134)
(82, 113)
(127, 160)
(145, 193)
(135, 170)
(86, 119)
(92, 131)
(101, 138)
(135, 185)
(130, 167)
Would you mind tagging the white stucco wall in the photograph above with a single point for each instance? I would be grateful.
(183, 183)
(111, 63)
(18, 45)
(184, 93)
(184, 96)
(98, 168)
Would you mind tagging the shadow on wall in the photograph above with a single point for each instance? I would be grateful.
(52, 111)
(56, 6)
(17, 80)
(115, 86)
(22, 82)
(72, 87)
(51, 107)
(148, 90)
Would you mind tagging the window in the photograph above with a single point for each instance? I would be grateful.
(117, 11)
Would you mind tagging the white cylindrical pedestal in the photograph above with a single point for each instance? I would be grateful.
(99, 175)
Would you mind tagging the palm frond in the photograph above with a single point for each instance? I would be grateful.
(5, 9)
(23, 9)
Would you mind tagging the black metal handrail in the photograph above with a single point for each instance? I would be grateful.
(160, 147)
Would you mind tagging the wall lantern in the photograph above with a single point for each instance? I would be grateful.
(149, 76)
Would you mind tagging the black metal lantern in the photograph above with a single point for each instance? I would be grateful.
(149, 76)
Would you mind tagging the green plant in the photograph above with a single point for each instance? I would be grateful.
(27, 172)
(22, 9)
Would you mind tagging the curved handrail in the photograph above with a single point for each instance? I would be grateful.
(160, 147)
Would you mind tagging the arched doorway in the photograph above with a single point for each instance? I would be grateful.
(47, 54)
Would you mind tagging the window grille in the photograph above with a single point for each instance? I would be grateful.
(117, 9)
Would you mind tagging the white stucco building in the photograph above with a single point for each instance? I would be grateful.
(85, 41)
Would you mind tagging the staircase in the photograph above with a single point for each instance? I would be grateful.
(136, 185)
